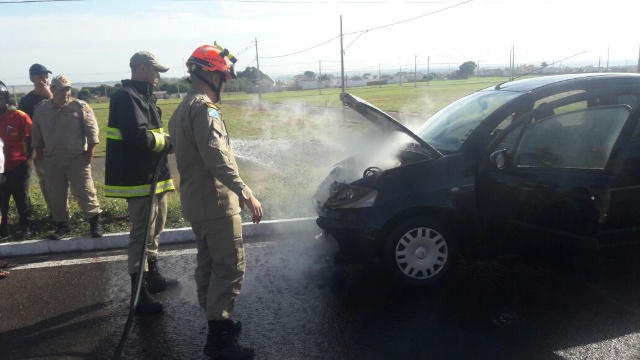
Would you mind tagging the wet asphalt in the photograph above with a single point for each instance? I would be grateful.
(296, 304)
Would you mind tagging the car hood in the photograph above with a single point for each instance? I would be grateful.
(384, 121)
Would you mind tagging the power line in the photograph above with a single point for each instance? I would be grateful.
(301, 51)
(361, 32)
(35, 1)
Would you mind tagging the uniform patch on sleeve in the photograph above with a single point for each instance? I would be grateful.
(214, 113)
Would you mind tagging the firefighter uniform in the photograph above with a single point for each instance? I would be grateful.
(210, 192)
(63, 135)
(135, 143)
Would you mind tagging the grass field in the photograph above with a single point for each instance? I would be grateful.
(285, 135)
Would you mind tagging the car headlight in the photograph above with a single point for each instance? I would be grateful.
(349, 196)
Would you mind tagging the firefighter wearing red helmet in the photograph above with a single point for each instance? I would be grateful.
(212, 194)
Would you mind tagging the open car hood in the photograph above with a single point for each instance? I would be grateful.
(384, 121)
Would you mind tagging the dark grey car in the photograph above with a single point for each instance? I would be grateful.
(552, 159)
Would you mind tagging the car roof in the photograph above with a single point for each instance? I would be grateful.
(526, 85)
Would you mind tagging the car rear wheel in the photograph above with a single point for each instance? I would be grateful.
(419, 252)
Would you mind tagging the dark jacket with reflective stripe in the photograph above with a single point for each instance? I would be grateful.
(135, 141)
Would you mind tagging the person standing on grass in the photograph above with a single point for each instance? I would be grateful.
(212, 195)
(15, 131)
(135, 144)
(65, 134)
(39, 76)
(3, 273)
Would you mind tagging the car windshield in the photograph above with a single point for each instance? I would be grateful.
(448, 129)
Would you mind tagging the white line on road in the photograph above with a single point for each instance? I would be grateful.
(102, 259)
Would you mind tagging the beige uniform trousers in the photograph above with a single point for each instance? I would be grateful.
(221, 265)
(138, 210)
(77, 175)
(43, 183)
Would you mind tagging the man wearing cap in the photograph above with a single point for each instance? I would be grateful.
(65, 134)
(15, 132)
(135, 145)
(39, 76)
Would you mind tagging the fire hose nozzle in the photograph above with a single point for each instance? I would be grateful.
(225, 52)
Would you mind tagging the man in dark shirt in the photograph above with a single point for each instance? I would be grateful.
(39, 76)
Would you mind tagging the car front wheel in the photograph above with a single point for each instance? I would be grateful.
(419, 252)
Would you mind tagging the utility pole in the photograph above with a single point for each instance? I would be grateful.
(344, 115)
(428, 70)
(15, 98)
(607, 60)
(258, 73)
(638, 69)
(341, 58)
(380, 75)
(400, 75)
(415, 70)
(320, 76)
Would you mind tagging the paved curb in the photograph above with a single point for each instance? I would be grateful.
(250, 232)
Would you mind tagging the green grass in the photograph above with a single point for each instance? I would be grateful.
(286, 191)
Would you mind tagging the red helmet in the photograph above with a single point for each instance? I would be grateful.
(210, 58)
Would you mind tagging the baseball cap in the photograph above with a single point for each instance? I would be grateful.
(145, 57)
(60, 80)
(38, 69)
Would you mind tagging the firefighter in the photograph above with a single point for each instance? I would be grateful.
(135, 144)
(65, 134)
(212, 195)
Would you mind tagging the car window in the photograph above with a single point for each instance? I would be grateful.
(563, 109)
(450, 127)
(577, 139)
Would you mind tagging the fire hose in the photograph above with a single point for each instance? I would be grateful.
(135, 295)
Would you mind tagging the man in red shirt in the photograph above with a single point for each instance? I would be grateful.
(15, 132)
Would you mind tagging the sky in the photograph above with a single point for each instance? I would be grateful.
(93, 40)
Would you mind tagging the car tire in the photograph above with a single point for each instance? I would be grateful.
(420, 252)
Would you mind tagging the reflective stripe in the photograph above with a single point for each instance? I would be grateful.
(138, 190)
(114, 133)
(160, 141)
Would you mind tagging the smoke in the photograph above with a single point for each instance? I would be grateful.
(298, 148)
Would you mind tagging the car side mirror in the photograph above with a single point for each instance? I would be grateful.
(499, 159)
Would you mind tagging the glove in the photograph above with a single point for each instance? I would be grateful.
(169, 145)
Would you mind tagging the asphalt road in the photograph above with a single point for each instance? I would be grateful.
(295, 304)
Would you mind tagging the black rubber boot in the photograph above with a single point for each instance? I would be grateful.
(222, 341)
(156, 283)
(25, 232)
(96, 226)
(62, 229)
(146, 303)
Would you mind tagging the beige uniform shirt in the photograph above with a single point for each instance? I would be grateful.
(63, 133)
(210, 184)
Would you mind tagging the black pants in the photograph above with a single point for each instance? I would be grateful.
(16, 185)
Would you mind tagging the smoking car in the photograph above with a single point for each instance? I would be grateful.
(550, 160)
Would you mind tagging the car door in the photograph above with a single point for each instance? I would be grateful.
(551, 184)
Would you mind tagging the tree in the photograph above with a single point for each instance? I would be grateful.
(84, 94)
(310, 74)
(467, 69)
(252, 74)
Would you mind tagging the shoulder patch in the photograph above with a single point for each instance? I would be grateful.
(213, 113)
